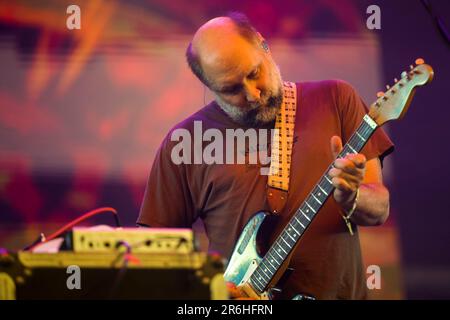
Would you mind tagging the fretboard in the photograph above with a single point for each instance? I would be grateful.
(297, 225)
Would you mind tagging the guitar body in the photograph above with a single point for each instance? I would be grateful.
(246, 257)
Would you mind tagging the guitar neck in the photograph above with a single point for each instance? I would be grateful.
(291, 234)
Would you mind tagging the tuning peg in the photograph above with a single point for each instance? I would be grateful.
(419, 61)
(411, 67)
(381, 94)
(387, 87)
(408, 75)
(395, 80)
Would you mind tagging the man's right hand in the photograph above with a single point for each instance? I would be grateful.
(236, 293)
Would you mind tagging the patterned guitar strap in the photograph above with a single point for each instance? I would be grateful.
(280, 165)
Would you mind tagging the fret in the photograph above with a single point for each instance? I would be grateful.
(268, 271)
(310, 207)
(328, 187)
(366, 134)
(317, 192)
(360, 136)
(254, 285)
(263, 275)
(273, 258)
(362, 131)
(345, 151)
(260, 283)
(256, 275)
(267, 265)
(285, 240)
(260, 280)
(281, 247)
(313, 204)
(306, 209)
(316, 199)
(353, 150)
(292, 227)
(355, 143)
(358, 145)
(366, 131)
(321, 188)
(277, 253)
(325, 182)
(257, 288)
(261, 271)
(299, 222)
(293, 239)
(304, 215)
(305, 222)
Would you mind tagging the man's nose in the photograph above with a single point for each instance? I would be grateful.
(253, 94)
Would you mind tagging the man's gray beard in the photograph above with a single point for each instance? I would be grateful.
(255, 114)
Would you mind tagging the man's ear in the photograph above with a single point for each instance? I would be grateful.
(265, 46)
(263, 42)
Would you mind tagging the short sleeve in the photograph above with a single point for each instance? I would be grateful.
(167, 201)
(352, 110)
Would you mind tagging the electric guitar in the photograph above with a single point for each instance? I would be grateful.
(257, 275)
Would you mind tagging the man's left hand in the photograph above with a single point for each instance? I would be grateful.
(347, 174)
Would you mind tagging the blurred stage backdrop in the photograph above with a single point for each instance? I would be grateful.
(82, 112)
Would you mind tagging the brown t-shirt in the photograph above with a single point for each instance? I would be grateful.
(327, 262)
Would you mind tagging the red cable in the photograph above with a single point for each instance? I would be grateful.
(80, 219)
(75, 222)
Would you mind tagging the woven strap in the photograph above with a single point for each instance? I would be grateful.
(280, 166)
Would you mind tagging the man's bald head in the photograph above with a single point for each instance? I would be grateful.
(231, 58)
(214, 35)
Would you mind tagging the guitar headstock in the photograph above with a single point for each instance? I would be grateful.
(394, 103)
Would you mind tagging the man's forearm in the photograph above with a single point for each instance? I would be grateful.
(372, 208)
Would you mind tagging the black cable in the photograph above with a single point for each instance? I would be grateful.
(123, 269)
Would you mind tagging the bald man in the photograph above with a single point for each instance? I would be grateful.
(234, 61)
